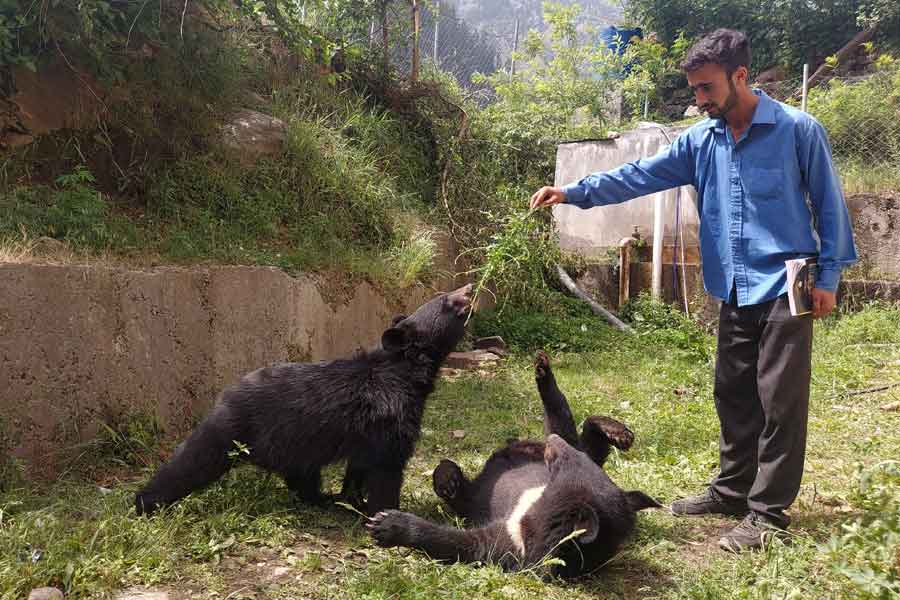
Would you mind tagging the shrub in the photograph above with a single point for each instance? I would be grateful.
(567, 324)
(861, 120)
(661, 323)
(865, 551)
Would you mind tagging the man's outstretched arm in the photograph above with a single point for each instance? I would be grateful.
(673, 166)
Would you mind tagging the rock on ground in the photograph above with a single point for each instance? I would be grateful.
(45, 593)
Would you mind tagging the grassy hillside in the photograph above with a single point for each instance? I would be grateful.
(148, 179)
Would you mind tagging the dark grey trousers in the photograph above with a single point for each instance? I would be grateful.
(762, 397)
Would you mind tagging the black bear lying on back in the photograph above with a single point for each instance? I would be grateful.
(297, 418)
(530, 496)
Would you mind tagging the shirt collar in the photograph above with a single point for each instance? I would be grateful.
(764, 113)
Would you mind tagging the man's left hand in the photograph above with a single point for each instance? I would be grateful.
(823, 302)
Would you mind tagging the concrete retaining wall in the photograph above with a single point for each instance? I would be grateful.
(80, 345)
(876, 225)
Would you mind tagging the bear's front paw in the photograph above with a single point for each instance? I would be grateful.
(541, 365)
(447, 480)
(391, 528)
(616, 432)
(145, 504)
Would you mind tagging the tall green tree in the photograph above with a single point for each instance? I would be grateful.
(785, 32)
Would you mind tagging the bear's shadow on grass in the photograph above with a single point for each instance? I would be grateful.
(252, 493)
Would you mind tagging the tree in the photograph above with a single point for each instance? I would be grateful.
(555, 82)
(785, 32)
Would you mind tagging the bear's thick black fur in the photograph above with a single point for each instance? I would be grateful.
(530, 496)
(297, 418)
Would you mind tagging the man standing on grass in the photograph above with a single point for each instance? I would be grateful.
(767, 191)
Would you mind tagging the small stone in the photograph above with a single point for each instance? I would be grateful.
(279, 572)
(135, 594)
(892, 407)
(45, 593)
(254, 134)
(470, 360)
(489, 343)
(458, 434)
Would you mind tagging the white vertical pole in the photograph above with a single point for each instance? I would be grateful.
(512, 60)
(805, 87)
(646, 105)
(437, 24)
(659, 204)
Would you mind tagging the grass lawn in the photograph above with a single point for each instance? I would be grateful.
(243, 537)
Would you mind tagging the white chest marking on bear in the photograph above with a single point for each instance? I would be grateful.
(514, 522)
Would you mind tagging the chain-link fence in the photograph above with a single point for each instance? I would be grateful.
(862, 117)
(456, 46)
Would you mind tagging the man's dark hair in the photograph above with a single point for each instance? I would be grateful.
(725, 47)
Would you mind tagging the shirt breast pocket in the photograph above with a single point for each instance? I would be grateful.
(765, 183)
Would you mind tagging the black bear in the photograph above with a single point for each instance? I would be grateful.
(293, 419)
(531, 498)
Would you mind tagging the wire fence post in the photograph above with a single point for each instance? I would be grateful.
(437, 26)
(512, 57)
(414, 71)
(805, 87)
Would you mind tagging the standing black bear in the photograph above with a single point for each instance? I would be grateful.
(297, 418)
(531, 496)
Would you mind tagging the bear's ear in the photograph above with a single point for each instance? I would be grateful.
(394, 340)
(397, 319)
(586, 519)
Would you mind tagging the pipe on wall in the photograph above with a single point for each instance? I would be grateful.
(625, 266)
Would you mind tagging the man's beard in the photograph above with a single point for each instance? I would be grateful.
(719, 112)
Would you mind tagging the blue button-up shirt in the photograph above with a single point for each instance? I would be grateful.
(770, 196)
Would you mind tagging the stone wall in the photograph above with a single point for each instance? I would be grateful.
(83, 345)
(876, 225)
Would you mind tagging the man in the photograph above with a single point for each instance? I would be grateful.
(766, 192)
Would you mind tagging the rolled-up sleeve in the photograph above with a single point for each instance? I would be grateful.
(672, 166)
(837, 250)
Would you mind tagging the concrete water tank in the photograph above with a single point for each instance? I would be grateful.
(591, 232)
